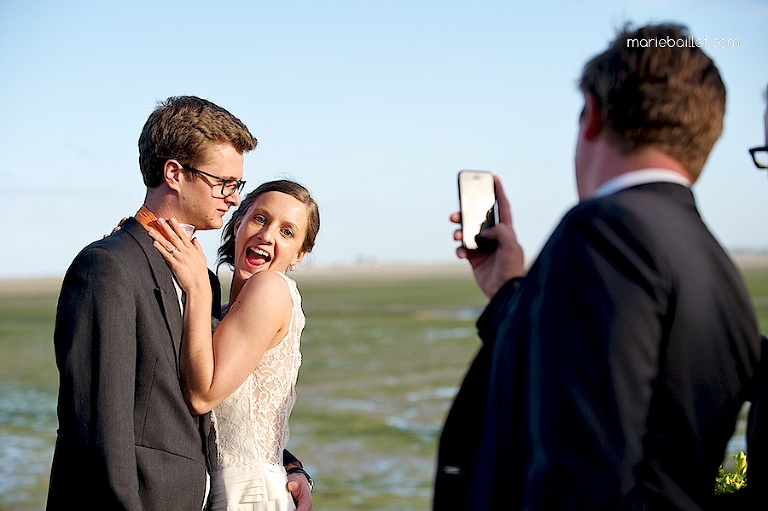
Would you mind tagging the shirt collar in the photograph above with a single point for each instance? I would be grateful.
(640, 177)
(148, 219)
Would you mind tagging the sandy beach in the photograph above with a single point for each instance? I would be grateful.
(367, 271)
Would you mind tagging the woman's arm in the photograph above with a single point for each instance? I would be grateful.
(215, 365)
(257, 321)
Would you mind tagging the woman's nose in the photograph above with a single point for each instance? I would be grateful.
(265, 233)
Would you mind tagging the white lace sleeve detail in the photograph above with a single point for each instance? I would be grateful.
(252, 424)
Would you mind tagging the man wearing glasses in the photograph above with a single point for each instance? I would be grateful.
(126, 439)
(755, 495)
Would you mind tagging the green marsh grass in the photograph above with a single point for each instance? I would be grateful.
(383, 353)
(382, 358)
(28, 385)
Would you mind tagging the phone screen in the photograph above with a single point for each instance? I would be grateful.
(477, 202)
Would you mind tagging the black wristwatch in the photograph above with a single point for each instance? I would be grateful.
(299, 470)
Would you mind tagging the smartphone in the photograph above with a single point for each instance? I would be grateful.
(478, 207)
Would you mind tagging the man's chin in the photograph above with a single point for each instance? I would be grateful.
(211, 225)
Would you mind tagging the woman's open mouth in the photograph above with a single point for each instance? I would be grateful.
(256, 257)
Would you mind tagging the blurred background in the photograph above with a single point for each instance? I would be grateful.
(374, 106)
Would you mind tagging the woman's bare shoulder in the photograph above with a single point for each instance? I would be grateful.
(266, 284)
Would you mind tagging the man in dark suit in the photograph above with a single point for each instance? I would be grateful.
(126, 439)
(755, 495)
(612, 374)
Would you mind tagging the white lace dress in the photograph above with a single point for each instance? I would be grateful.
(252, 428)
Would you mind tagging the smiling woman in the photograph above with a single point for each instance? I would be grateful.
(270, 235)
(246, 372)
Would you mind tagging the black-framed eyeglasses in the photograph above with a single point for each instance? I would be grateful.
(760, 156)
(228, 186)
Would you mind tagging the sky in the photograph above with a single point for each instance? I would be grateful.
(372, 105)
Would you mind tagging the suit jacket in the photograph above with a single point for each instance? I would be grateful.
(126, 439)
(755, 495)
(618, 367)
(460, 437)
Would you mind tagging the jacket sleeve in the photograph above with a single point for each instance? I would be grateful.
(497, 310)
(95, 341)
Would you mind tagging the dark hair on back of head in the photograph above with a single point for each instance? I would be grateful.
(656, 89)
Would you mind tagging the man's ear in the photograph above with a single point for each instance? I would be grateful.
(591, 118)
(172, 173)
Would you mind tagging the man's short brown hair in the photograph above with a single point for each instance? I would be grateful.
(186, 128)
(656, 88)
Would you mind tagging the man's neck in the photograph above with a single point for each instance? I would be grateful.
(148, 219)
(609, 164)
(162, 205)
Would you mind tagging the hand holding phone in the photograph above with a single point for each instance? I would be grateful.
(478, 208)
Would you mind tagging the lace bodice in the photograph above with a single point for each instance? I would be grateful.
(252, 424)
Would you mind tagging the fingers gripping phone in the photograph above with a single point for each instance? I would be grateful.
(478, 208)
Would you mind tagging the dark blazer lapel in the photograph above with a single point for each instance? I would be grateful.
(165, 291)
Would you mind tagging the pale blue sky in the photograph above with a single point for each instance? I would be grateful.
(373, 105)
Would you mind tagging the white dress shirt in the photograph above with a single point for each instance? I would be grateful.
(641, 177)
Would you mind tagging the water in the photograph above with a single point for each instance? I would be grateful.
(28, 422)
(27, 434)
(381, 364)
